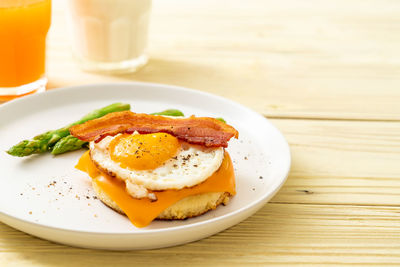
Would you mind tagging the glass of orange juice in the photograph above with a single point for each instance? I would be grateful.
(23, 28)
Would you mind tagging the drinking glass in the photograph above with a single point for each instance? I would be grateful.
(23, 28)
(109, 35)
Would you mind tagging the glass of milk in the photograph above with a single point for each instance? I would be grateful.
(109, 35)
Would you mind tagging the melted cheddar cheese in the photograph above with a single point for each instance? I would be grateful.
(141, 212)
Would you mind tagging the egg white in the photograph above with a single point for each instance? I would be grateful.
(192, 165)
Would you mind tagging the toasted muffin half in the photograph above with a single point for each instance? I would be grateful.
(187, 207)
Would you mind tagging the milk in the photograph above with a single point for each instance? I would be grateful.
(110, 34)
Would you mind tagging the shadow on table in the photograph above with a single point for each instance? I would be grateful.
(157, 70)
(181, 73)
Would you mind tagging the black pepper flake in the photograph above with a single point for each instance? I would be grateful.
(53, 183)
(186, 158)
(87, 197)
(245, 158)
(260, 177)
(195, 165)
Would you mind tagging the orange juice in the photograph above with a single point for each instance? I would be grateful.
(23, 29)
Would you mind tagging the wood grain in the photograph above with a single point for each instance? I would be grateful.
(328, 72)
(288, 234)
(342, 162)
(303, 59)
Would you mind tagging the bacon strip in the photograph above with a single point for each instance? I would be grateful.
(196, 130)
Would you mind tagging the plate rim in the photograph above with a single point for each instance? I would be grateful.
(262, 201)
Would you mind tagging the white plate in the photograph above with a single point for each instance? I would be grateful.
(45, 196)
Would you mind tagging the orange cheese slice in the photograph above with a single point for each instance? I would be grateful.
(141, 212)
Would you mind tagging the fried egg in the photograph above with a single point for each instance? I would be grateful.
(157, 161)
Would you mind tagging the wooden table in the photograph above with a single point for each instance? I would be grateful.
(327, 74)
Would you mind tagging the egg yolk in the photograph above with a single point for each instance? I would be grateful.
(143, 151)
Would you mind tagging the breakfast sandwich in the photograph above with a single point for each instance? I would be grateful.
(156, 167)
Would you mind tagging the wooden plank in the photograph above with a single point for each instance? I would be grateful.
(342, 162)
(291, 234)
(303, 59)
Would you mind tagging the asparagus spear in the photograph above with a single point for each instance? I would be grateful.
(169, 112)
(221, 119)
(177, 113)
(67, 143)
(58, 143)
(44, 142)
